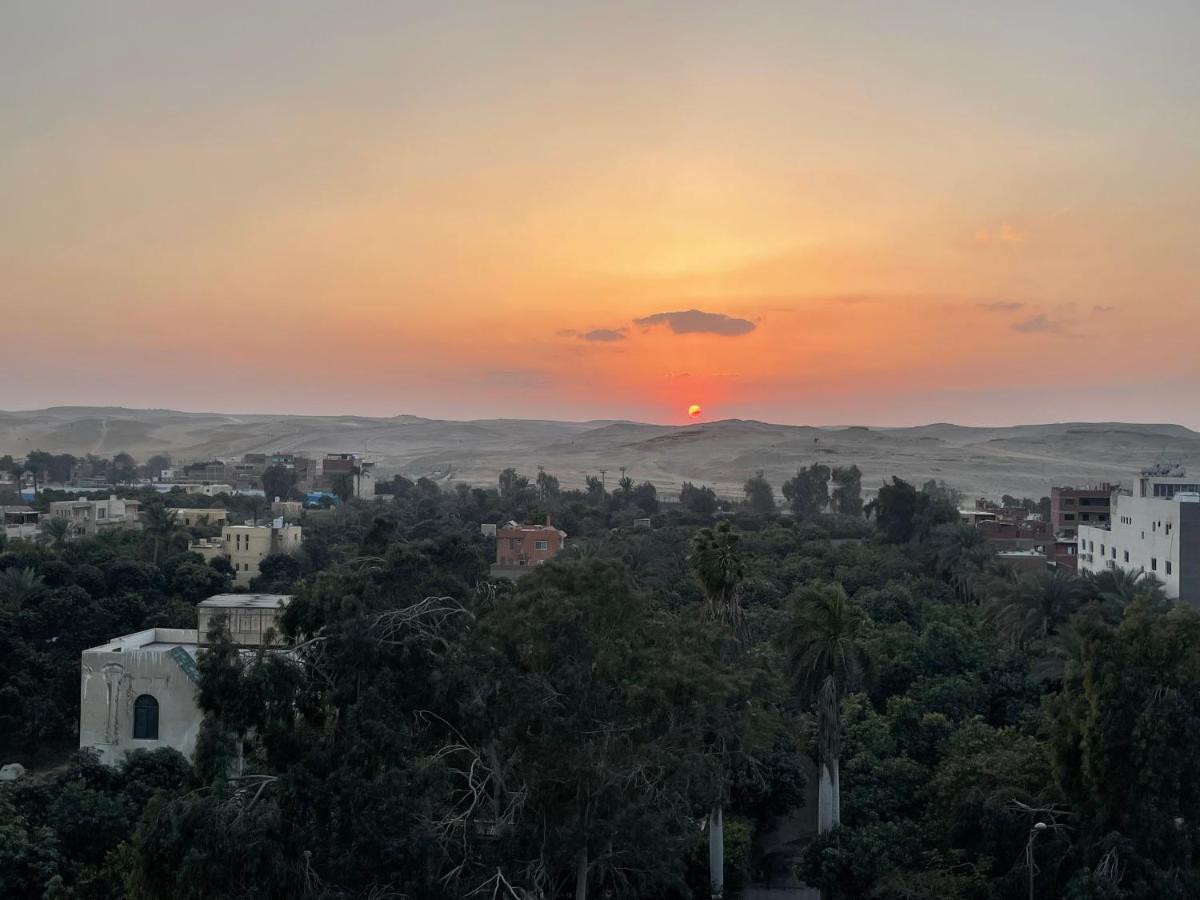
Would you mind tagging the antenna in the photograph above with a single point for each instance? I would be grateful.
(603, 472)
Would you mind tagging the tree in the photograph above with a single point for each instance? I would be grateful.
(342, 485)
(1034, 606)
(547, 485)
(278, 482)
(847, 490)
(161, 526)
(56, 532)
(701, 501)
(808, 492)
(124, 468)
(719, 566)
(18, 585)
(826, 659)
(760, 497)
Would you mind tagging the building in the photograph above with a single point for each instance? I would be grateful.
(139, 691)
(1008, 535)
(361, 474)
(1071, 507)
(522, 547)
(190, 517)
(90, 517)
(289, 510)
(1023, 561)
(1155, 528)
(247, 545)
(20, 522)
(972, 518)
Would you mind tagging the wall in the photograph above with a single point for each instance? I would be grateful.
(110, 682)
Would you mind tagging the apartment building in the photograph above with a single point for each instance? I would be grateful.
(359, 471)
(90, 517)
(139, 691)
(247, 545)
(1154, 528)
(1071, 507)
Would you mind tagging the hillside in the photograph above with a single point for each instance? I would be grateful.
(1022, 460)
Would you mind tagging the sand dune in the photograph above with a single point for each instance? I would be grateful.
(1023, 460)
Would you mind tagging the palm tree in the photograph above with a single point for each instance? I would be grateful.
(720, 568)
(826, 660)
(962, 556)
(56, 532)
(1034, 606)
(161, 526)
(1117, 588)
(16, 585)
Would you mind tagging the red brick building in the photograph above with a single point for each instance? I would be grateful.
(525, 546)
(1071, 507)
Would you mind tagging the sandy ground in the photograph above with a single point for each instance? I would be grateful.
(1021, 460)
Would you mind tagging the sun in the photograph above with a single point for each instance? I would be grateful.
(694, 410)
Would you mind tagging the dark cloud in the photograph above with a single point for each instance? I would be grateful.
(693, 321)
(1002, 306)
(604, 335)
(1038, 324)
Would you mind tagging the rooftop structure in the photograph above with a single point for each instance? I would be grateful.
(90, 517)
(521, 547)
(20, 522)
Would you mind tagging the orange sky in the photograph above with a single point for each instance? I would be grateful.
(927, 213)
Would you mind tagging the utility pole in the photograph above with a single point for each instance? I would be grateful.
(1037, 829)
(603, 472)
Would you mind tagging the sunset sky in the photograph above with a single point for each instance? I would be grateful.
(825, 213)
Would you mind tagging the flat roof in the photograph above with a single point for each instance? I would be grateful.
(155, 640)
(246, 601)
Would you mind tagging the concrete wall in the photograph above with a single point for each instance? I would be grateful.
(1148, 534)
(110, 683)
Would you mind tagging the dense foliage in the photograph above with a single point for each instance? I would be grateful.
(434, 734)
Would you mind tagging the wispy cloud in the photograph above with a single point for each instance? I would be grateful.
(604, 335)
(1103, 309)
(1002, 234)
(694, 321)
(1039, 324)
(1002, 306)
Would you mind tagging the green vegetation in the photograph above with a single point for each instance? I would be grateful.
(436, 736)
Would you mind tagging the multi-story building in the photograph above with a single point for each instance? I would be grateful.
(522, 547)
(20, 522)
(90, 517)
(1071, 507)
(139, 691)
(360, 472)
(247, 545)
(1155, 528)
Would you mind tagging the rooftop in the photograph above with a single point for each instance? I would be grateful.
(154, 640)
(246, 601)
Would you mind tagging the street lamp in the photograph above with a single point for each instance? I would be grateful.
(1038, 828)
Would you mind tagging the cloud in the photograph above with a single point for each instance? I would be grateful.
(693, 321)
(603, 335)
(1002, 306)
(1103, 309)
(1038, 324)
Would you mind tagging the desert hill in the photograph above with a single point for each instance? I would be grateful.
(1023, 460)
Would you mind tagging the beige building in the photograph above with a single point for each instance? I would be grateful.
(90, 517)
(289, 510)
(247, 545)
(213, 516)
(139, 691)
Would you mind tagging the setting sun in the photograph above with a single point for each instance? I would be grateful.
(694, 410)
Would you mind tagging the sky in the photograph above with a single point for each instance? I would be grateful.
(801, 212)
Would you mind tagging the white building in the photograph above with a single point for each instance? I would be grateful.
(139, 691)
(1155, 529)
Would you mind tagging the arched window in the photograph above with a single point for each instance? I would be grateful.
(145, 718)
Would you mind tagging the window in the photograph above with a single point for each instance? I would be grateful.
(1126, 556)
(1068, 502)
(1070, 517)
(1168, 567)
(541, 545)
(145, 718)
(1153, 564)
